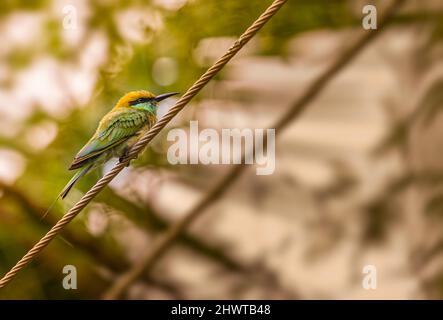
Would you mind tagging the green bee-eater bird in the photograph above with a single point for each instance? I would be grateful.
(134, 114)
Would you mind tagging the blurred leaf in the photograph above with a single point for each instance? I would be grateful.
(432, 103)
(434, 206)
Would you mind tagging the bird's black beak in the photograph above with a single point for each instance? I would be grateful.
(165, 96)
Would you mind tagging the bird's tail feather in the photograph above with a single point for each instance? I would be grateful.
(68, 187)
(73, 181)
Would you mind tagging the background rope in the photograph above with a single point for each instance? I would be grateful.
(143, 142)
(165, 241)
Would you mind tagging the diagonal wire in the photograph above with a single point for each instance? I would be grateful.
(165, 241)
(143, 142)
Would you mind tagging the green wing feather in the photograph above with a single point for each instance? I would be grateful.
(113, 130)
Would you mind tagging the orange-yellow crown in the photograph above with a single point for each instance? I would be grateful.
(131, 96)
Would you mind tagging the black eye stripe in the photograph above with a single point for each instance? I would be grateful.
(139, 100)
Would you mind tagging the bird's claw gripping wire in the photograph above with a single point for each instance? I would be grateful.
(125, 157)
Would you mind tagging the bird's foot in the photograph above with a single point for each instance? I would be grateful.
(123, 159)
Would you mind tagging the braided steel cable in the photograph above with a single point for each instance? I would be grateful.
(143, 142)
